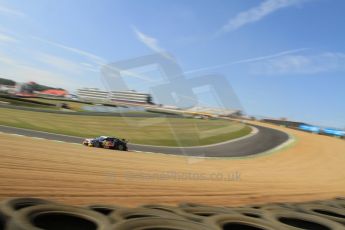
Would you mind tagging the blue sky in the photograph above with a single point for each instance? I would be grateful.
(283, 58)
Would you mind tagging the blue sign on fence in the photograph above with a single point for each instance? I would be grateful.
(334, 132)
(309, 128)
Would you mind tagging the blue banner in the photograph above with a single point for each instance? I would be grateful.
(335, 132)
(310, 128)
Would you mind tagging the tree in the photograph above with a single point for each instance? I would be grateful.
(4, 81)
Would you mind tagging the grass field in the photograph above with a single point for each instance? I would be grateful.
(74, 105)
(29, 102)
(311, 169)
(26, 103)
(140, 130)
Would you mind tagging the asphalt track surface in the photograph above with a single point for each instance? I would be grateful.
(266, 139)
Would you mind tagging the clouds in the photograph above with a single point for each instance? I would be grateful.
(7, 38)
(95, 58)
(301, 64)
(22, 71)
(257, 13)
(150, 42)
(60, 63)
(249, 60)
(10, 12)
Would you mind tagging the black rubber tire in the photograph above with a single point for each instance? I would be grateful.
(103, 208)
(255, 206)
(2, 222)
(208, 211)
(10, 206)
(190, 205)
(120, 147)
(58, 217)
(199, 214)
(272, 206)
(162, 207)
(250, 212)
(338, 202)
(106, 210)
(325, 211)
(228, 221)
(133, 213)
(162, 223)
(298, 220)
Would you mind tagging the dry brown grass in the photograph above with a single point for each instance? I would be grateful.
(311, 169)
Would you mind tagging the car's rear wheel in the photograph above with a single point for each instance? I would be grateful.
(121, 147)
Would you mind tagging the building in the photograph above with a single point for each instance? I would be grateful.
(131, 96)
(97, 95)
(25, 89)
(8, 89)
(93, 95)
(53, 93)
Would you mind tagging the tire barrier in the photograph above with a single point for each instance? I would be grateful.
(191, 205)
(272, 206)
(207, 211)
(325, 211)
(103, 208)
(250, 212)
(162, 207)
(198, 214)
(10, 206)
(135, 213)
(338, 202)
(106, 210)
(39, 214)
(240, 222)
(2, 222)
(298, 220)
(162, 224)
(58, 217)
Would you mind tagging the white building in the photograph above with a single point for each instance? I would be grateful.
(97, 95)
(131, 96)
(93, 94)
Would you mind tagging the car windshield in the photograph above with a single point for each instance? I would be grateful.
(174, 110)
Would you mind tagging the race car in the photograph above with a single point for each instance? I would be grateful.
(115, 143)
(107, 142)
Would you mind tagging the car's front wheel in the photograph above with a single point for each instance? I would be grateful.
(98, 145)
(121, 147)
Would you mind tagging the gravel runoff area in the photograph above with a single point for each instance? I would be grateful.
(310, 169)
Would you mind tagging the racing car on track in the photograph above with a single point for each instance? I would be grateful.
(107, 142)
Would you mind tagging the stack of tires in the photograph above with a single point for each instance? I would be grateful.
(38, 214)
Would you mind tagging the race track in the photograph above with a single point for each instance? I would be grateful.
(265, 140)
